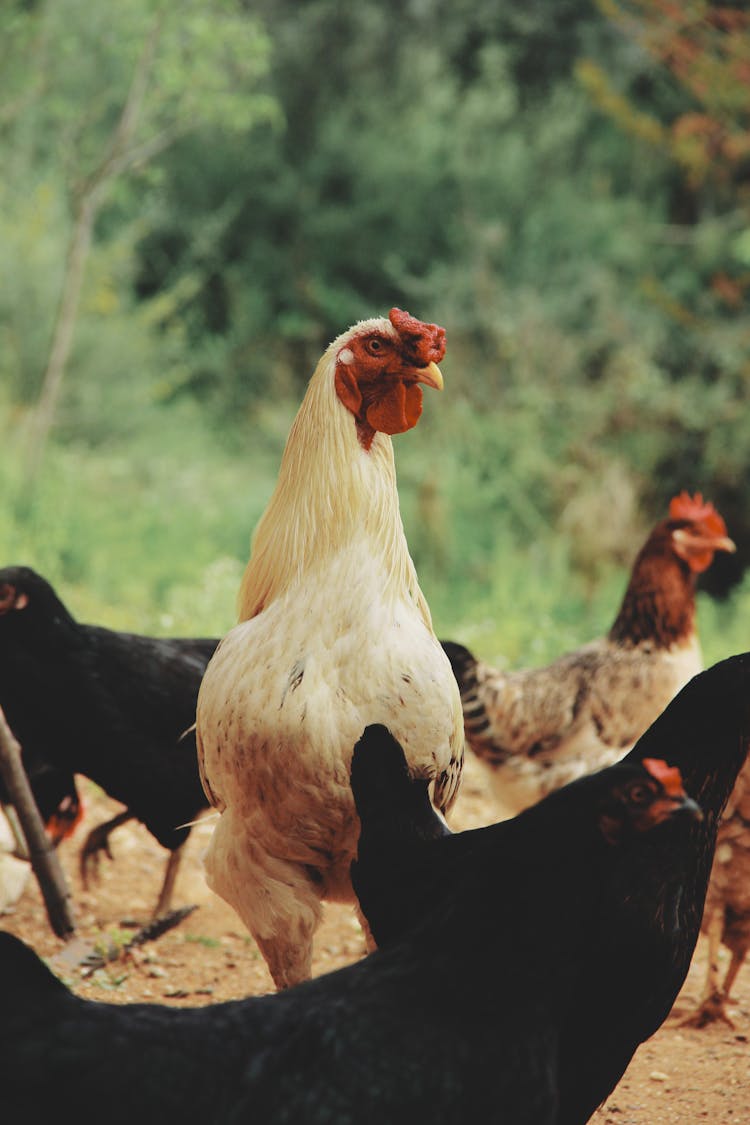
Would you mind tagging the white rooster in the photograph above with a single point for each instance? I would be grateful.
(334, 634)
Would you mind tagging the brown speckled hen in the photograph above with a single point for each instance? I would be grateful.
(537, 728)
(726, 918)
(334, 634)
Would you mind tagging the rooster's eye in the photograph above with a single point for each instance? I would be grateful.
(375, 346)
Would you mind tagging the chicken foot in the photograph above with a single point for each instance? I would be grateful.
(712, 1008)
(164, 901)
(96, 842)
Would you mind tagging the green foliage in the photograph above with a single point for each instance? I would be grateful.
(506, 170)
(32, 249)
(150, 538)
(149, 535)
(101, 94)
(77, 67)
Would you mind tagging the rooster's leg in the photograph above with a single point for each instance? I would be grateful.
(289, 958)
(277, 899)
(97, 842)
(287, 943)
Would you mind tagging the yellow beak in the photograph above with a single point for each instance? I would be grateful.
(430, 375)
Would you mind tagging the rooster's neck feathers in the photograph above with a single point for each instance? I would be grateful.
(659, 602)
(330, 494)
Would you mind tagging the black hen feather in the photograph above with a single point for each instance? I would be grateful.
(393, 806)
(626, 940)
(116, 707)
(457, 1020)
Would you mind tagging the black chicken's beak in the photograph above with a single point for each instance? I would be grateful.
(688, 805)
(669, 806)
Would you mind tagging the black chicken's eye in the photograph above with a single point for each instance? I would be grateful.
(640, 794)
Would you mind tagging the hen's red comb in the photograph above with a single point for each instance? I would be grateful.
(669, 776)
(693, 508)
(423, 343)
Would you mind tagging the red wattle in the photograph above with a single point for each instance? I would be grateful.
(396, 411)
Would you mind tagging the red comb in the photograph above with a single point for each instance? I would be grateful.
(423, 343)
(669, 776)
(693, 508)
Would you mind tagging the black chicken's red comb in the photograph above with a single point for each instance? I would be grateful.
(669, 776)
(423, 343)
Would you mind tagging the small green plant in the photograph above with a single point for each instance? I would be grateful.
(112, 944)
(200, 939)
(108, 979)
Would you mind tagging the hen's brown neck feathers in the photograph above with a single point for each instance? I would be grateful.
(659, 602)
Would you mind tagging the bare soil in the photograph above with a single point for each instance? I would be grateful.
(680, 1075)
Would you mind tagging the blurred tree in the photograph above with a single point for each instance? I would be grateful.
(419, 163)
(705, 48)
(105, 92)
(450, 156)
(700, 50)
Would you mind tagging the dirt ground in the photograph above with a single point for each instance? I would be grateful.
(681, 1075)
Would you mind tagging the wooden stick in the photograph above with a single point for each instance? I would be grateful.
(44, 861)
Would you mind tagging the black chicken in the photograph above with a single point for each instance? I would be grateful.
(57, 799)
(115, 707)
(630, 956)
(435, 1027)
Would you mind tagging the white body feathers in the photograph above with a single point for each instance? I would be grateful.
(337, 634)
